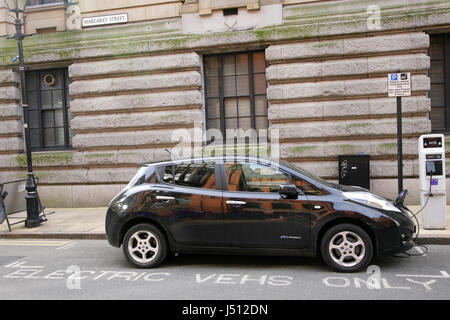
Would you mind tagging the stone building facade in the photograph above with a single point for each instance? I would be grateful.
(108, 97)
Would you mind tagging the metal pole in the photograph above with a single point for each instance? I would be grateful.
(399, 144)
(31, 198)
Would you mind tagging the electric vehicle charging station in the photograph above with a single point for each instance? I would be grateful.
(432, 180)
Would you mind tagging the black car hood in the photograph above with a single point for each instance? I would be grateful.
(344, 188)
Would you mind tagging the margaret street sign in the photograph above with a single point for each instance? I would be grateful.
(104, 20)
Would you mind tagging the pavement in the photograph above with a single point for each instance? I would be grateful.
(62, 223)
(89, 223)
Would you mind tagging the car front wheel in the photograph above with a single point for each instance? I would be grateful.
(346, 248)
(144, 246)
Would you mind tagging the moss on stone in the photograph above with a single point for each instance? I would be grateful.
(99, 155)
(46, 158)
(168, 116)
(321, 9)
(388, 146)
(264, 34)
(166, 35)
(358, 125)
(447, 144)
(297, 32)
(325, 44)
(22, 160)
(262, 150)
(176, 42)
(347, 148)
(38, 175)
(67, 54)
(302, 149)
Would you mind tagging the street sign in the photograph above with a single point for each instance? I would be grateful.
(104, 20)
(399, 84)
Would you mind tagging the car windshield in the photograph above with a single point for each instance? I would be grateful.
(307, 174)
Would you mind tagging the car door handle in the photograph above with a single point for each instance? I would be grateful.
(164, 198)
(235, 202)
(312, 206)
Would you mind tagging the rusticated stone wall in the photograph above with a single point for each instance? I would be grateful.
(11, 128)
(329, 98)
(125, 111)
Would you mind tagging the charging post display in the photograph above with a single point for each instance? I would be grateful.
(432, 180)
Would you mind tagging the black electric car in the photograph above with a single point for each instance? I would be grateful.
(245, 205)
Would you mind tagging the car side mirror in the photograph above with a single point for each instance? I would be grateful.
(289, 191)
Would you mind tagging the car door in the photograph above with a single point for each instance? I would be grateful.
(190, 203)
(256, 215)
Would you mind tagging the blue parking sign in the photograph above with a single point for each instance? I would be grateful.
(399, 84)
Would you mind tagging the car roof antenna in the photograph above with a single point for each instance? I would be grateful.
(168, 151)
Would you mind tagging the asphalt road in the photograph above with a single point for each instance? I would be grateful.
(88, 269)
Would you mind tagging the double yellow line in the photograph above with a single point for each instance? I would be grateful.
(34, 242)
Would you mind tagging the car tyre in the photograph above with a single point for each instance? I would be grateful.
(346, 248)
(144, 246)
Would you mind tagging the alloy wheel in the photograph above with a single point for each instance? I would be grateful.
(143, 246)
(347, 249)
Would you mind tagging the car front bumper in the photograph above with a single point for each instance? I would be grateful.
(400, 238)
(403, 247)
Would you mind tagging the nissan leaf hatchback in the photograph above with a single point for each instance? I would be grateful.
(244, 205)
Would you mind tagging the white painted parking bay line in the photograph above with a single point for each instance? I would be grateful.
(50, 243)
(22, 265)
(67, 246)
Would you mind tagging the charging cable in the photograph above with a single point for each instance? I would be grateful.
(414, 215)
(424, 205)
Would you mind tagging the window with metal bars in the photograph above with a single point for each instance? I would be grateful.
(440, 83)
(49, 116)
(235, 91)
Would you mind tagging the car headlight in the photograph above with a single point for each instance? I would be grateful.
(371, 200)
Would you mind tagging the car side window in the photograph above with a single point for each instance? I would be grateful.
(306, 187)
(253, 177)
(195, 175)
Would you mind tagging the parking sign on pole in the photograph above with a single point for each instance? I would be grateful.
(399, 85)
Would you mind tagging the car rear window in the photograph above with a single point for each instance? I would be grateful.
(144, 175)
